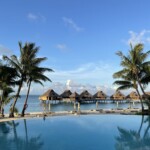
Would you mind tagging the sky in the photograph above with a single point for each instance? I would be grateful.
(79, 38)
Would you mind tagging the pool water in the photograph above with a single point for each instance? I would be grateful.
(89, 132)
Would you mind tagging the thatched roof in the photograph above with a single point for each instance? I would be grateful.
(118, 95)
(133, 95)
(66, 94)
(49, 95)
(100, 95)
(74, 95)
(85, 94)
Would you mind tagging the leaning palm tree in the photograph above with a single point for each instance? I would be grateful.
(36, 75)
(134, 63)
(21, 65)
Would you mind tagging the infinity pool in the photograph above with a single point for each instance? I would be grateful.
(90, 132)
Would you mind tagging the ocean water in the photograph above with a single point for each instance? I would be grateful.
(35, 105)
(90, 132)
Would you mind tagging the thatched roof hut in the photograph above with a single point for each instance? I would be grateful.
(66, 94)
(100, 95)
(133, 96)
(74, 96)
(148, 93)
(118, 96)
(85, 95)
(49, 95)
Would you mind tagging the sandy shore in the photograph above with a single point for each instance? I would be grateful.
(65, 113)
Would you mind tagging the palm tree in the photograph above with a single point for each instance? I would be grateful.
(21, 65)
(36, 75)
(134, 65)
(34, 72)
(8, 77)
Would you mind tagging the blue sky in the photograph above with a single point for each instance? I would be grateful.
(79, 37)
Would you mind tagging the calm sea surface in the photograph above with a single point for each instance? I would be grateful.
(35, 105)
(90, 132)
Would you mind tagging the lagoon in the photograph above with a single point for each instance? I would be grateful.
(35, 105)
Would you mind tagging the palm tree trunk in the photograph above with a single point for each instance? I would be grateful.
(145, 95)
(141, 87)
(11, 114)
(142, 106)
(25, 104)
(1, 104)
(2, 110)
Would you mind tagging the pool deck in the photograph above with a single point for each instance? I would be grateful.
(81, 112)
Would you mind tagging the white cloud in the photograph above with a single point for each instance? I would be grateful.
(32, 16)
(88, 73)
(70, 23)
(78, 87)
(62, 47)
(91, 76)
(36, 17)
(141, 37)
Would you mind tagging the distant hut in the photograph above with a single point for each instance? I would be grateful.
(85, 95)
(74, 96)
(133, 96)
(66, 95)
(100, 95)
(49, 95)
(118, 96)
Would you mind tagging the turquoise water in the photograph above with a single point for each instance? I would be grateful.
(35, 105)
(91, 132)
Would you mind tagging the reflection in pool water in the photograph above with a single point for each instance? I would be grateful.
(133, 139)
(91, 132)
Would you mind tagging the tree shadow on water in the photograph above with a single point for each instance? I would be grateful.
(10, 139)
(132, 139)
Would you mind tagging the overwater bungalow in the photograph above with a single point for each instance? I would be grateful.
(66, 95)
(49, 95)
(100, 95)
(117, 96)
(74, 96)
(85, 96)
(132, 96)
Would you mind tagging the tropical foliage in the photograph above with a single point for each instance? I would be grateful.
(8, 80)
(19, 70)
(135, 71)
